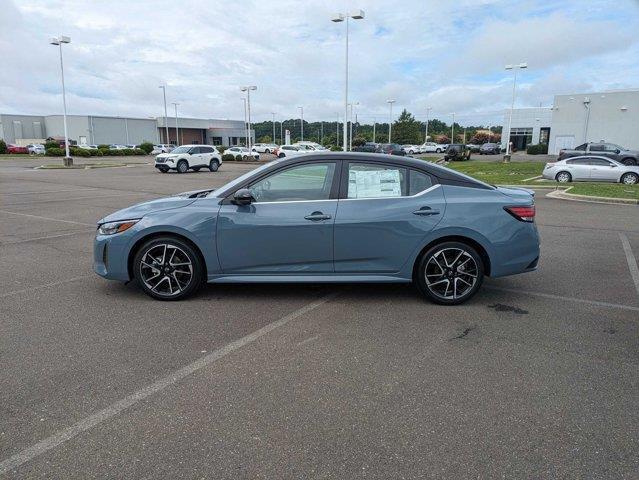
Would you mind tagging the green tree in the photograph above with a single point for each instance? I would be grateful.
(265, 139)
(406, 129)
(3, 146)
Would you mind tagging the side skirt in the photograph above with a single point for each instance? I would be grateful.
(306, 279)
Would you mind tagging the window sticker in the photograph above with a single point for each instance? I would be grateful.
(374, 184)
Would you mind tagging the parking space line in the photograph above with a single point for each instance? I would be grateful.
(561, 297)
(47, 237)
(53, 191)
(118, 407)
(632, 261)
(72, 199)
(47, 218)
(46, 285)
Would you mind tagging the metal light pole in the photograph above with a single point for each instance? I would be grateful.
(428, 109)
(245, 124)
(321, 133)
(58, 42)
(374, 125)
(273, 114)
(302, 123)
(248, 102)
(512, 105)
(337, 130)
(390, 118)
(177, 130)
(166, 115)
(340, 17)
(452, 129)
(350, 141)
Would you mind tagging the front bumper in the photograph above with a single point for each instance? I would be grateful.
(110, 256)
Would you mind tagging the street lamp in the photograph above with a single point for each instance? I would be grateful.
(452, 131)
(166, 115)
(302, 123)
(428, 109)
(245, 123)
(273, 115)
(512, 105)
(390, 118)
(58, 41)
(374, 125)
(177, 131)
(340, 17)
(248, 102)
(350, 142)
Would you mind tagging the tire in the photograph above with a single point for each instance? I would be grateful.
(563, 177)
(267, 151)
(196, 169)
(629, 178)
(438, 150)
(629, 161)
(214, 165)
(448, 262)
(178, 279)
(182, 166)
(281, 155)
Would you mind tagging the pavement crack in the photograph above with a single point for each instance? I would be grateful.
(500, 307)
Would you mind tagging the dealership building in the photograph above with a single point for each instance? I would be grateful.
(97, 130)
(611, 116)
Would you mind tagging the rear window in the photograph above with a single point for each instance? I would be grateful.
(418, 182)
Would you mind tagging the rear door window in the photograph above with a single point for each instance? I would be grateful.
(376, 181)
(418, 182)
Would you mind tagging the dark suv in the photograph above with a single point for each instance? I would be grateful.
(457, 151)
(369, 147)
(390, 149)
(490, 149)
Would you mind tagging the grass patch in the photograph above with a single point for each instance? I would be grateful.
(610, 190)
(499, 173)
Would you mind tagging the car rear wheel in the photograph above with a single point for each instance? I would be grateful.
(182, 166)
(214, 165)
(450, 273)
(563, 177)
(168, 268)
(630, 178)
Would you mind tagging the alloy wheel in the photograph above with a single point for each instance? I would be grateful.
(451, 273)
(630, 179)
(166, 269)
(563, 177)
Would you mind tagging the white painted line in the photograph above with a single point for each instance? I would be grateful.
(118, 407)
(46, 285)
(27, 240)
(632, 261)
(48, 218)
(73, 199)
(560, 297)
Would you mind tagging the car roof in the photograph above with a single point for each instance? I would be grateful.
(601, 157)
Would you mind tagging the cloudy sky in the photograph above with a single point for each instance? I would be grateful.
(447, 55)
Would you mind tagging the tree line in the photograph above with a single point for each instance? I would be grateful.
(405, 130)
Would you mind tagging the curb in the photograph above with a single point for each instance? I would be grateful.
(564, 195)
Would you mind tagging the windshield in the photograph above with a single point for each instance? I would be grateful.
(181, 150)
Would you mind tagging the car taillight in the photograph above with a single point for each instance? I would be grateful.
(522, 213)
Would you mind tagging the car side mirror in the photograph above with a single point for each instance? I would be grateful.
(617, 151)
(243, 197)
(613, 165)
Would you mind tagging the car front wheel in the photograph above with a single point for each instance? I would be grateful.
(563, 177)
(168, 268)
(214, 165)
(450, 273)
(629, 161)
(182, 166)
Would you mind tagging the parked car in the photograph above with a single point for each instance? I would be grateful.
(457, 151)
(609, 150)
(36, 149)
(411, 149)
(116, 146)
(291, 151)
(431, 147)
(296, 220)
(311, 147)
(591, 168)
(193, 157)
(265, 147)
(390, 149)
(162, 148)
(490, 149)
(368, 147)
(89, 147)
(473, 147)
(245, 152)
(11, 148)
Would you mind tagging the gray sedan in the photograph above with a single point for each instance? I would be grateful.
(591, 168)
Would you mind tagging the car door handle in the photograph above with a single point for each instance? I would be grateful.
(426, 211)
(317, 216)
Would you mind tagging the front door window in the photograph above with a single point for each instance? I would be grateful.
(303, 182)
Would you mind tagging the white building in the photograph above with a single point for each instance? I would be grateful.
(529, 126)
(593, 117)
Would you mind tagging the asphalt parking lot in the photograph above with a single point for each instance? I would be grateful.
(535, 377)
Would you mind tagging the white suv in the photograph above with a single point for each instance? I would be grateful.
(244, 152)
(432, 147)
(187, 157)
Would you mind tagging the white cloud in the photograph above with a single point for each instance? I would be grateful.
(449, 56)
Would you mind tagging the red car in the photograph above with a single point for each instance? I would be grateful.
(16, 149)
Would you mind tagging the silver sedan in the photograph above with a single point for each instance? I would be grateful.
(591, 168)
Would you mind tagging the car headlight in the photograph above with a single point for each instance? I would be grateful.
(111, 228)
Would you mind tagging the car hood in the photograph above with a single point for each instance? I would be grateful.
(141, 209)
